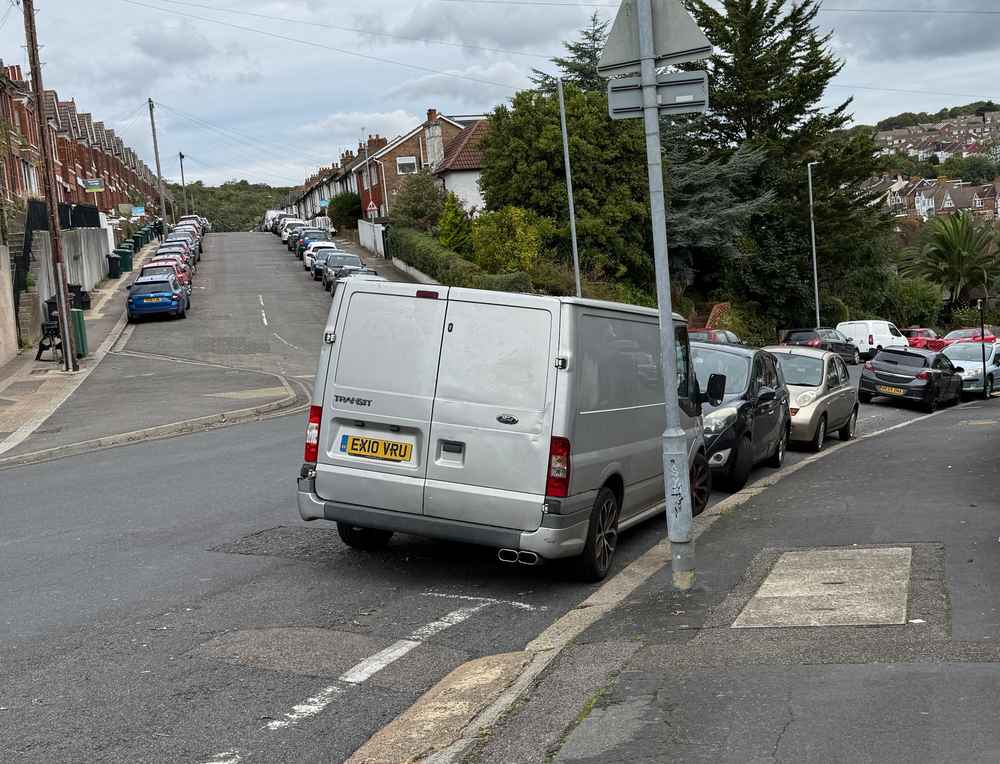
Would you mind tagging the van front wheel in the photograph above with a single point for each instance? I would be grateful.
(602, 537)
(367, 539)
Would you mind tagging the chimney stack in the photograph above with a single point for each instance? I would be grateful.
(432, 115)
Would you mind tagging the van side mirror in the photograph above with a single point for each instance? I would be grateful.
(716, 389)
(959, 369)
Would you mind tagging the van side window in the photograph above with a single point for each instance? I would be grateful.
(683, 352)
(619, 363)
(894, 331)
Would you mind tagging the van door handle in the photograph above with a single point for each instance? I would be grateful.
(451, 447)
(507, 419)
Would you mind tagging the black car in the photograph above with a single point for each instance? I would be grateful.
(913, 374)
(752, 422)
(337, 265)
(319, 261)
(824, 339)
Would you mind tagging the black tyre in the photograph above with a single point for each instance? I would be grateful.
(777, 459)
(740, 467)
(856, 358)
(819, 437)
(865, 398)
(700, 476)
(130, 318)
(602, 537)
(989, 388)
(848, 431)
(932, 405)
(366, 539)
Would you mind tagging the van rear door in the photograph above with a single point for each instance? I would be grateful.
(492, 419)
(379, 393)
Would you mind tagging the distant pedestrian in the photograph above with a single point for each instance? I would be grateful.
(159, 229)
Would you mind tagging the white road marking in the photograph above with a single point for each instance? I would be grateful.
(226, 757)
(263, 317)
(294, 347)
(308, 708)
(261, 298)
(375, 663)
(490, 600)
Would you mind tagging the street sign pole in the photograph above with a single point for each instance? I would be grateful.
(676, 479)
(569, 187)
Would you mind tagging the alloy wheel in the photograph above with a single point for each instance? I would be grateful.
(701, 488)
(820, 435)
(989, 387)
(606, 538)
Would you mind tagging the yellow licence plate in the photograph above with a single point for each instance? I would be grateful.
(891, 390)
(153, 299)
(376, 448)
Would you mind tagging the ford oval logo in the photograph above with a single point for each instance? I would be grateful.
(507, 419)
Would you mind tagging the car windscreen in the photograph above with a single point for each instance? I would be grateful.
(962, 334)
(967, 351)
(317, 236)
(736, 367)
(800, 336)
(701, 336)
(158, 270)
(321, 255)
(342, 260)
(151, 287)
(804, 371)
(896, 358)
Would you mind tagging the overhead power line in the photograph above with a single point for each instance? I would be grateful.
(313, 44)
(355, 30)
(902, 11)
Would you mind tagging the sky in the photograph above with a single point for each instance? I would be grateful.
(269, 90)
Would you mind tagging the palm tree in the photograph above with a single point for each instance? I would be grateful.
(958, 253)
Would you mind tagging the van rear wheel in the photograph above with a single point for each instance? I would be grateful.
(602, 537)
(366, 539)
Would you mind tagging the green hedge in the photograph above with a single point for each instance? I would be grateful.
(423, 252)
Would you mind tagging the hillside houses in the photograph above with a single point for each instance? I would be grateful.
(962, 136)
(922, 198)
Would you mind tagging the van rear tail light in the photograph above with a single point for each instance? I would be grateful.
(923, 375)
(426, 293)
(557, 484)
(312, 434)
(871, 340)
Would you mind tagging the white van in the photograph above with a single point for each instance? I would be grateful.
(872, 336)
(526, 423)
(288, 225)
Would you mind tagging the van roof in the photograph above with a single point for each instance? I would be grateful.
(619, 306)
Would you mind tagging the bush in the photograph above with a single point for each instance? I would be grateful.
(423, 252)
(344, 210)
(507, 240)
(549, 278)
(913, 302)
(454, 227)
(750, 324)
(419, 203)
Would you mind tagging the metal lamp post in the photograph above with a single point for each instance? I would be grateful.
(982, 343)
(812, 225)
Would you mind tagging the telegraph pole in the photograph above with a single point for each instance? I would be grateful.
(812, 226)
(184, 188)
(159, 173)
(569, 187)
(70, 362)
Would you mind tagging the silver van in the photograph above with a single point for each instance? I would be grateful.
(526, 423)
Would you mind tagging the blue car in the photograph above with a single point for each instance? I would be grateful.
(149, 295)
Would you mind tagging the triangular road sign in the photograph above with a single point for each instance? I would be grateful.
(676, 38)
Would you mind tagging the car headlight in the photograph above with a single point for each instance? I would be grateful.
(719, 420)
(805, 399)
(972, 373)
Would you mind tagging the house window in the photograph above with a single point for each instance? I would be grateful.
(978, 203)
(406, 165)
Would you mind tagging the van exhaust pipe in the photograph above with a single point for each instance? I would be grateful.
(507, 555)
(528, 558)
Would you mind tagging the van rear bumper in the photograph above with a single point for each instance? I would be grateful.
(566, 540)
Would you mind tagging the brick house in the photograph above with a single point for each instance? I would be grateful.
(462, 165)
(388, 162)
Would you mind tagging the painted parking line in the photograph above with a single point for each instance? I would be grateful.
(367, 668)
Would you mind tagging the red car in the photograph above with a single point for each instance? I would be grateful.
(923, 338)
(184, 276)
(970, 335)
(715, 336)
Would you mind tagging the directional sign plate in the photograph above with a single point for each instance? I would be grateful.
(676, 38)
(678, 93)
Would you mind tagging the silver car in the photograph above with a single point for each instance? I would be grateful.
(969, 356)
(822, 398)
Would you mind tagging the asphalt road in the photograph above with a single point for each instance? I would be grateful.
(163, 601)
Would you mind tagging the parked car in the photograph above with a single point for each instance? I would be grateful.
(920, 376)
(309, 236)
(174, 260)
(312, 249)
(339, 264)
(750, 424)
(163, 268)
(927, 339)
(871, 336)
(293, 239)
(969, 355)
(363, 274)
(527, 423)
(986, 334)
(288, 225)
(317, 260)
(156, 294)
(715, 336)
(823, 398)
(825, 339)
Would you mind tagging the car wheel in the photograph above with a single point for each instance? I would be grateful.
(988, 392)
(865, 398)
(856, 358)
(778, 457)
(602, 537)
(932, 405)
(182, 313)
(819, 438)
(739, 470)
(848, 431)
(130, 318)
(700, 476)
(366, 539)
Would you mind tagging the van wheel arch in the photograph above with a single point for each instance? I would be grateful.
(617, 486)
